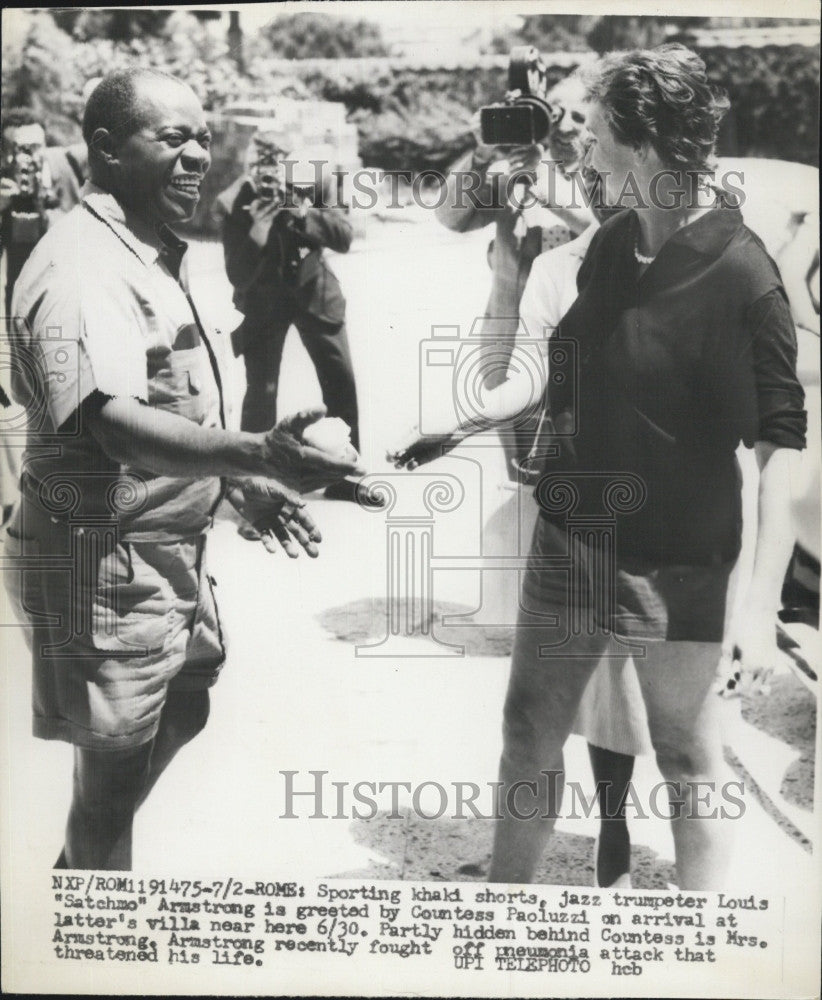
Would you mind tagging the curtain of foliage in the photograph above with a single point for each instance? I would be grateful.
(409, 118)
(308, 35)
(579, 33)
(118, 25)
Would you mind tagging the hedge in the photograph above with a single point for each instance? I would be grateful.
(410, 117)
(774, 94)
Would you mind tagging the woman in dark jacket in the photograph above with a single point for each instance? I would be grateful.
(679, 346)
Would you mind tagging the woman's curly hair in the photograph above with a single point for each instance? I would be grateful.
(661, 96)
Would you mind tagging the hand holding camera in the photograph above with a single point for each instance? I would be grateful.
(262, 214)
(553, 188)
(8, 191)
(524, 160)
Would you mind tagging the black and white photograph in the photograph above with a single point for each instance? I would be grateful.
(410, 446)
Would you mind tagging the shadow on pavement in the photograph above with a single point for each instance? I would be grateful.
(364, 621)
(788, 713)
(458, 850)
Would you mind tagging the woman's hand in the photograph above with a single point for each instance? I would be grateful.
(753, 630)
(278, 514)
(419, 449)
(749, 655)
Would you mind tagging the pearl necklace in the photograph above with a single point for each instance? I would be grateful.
(640, 258)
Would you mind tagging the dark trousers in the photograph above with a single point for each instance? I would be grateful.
(327, 346)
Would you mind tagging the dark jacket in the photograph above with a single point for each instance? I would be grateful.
(668, 371)
(289, 274)
(21, 227)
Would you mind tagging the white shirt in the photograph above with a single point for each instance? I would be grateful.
(552, 287)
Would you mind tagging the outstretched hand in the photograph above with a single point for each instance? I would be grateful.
(419, 449)
(749, 657)
(301, 466)
(278, 514)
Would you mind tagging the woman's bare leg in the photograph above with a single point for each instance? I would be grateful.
(540, 707)
(683, 716)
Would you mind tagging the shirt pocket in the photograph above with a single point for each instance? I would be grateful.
(180, 384)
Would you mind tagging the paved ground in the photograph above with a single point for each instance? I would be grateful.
(295, 697)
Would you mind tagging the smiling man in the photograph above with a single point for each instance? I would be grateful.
(127, 460)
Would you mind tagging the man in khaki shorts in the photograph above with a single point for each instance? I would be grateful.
(127, 460)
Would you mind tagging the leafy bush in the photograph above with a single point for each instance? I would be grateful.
(774, 94)
(408, 117)
(309, 35)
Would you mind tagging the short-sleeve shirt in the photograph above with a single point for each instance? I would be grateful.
(674, 367)
(552, 285)
(102, 307)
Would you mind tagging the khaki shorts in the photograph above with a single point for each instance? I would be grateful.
(112, 626)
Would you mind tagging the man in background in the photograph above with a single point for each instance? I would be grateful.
(26, 200)
(26, 191)
(274, 234)
(69, 164)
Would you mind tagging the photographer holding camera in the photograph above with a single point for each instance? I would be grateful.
(535, 216)
(26, 194)
(274, 232)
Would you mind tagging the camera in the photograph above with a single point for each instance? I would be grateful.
(268, 181)
(266, 168)
(525, 117)
(24, 165)
(28, 173)
(25, 172)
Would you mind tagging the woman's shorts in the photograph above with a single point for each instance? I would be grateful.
(580, 587)
(112, 626)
